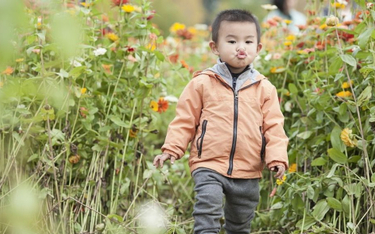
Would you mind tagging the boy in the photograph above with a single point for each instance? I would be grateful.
(229, 113)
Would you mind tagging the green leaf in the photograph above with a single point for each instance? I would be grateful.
(159, 55)
(336, 139)
(334, 203)
(304, 135)
(319, 162)
(349, 59)
(337, 156)
(277, 206)
(305, 223)
(365, 95)
(118, 121)
(320, 210)
(115, 217)
(354, 189)
(292, 88)
(364, 37)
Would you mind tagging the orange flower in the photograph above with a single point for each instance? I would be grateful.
(8, 71)
(107, 67)
(162, 105)
(173, 58)
(83, 111)
(133, 132)
(74, 159)
(184, 64)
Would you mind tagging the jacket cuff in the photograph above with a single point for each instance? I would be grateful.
(173, 154)
(277, 163)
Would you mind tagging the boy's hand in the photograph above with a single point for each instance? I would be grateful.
(280, 170)
(161, 158)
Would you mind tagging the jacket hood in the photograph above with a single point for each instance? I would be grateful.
(249, 76)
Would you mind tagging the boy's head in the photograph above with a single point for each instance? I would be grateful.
(234, 15)
(236, 39)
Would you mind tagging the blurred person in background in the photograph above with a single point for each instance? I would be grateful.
(286, 10)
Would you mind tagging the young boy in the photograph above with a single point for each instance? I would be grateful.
(231, 115)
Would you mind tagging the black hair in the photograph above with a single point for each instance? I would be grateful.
(281, 6)
(234, 15)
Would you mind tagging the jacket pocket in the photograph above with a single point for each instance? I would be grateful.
(200, 138)
(263, 149)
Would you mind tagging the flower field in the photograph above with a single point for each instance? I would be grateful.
(87, 89)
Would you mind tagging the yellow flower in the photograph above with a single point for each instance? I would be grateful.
(85, 4)
(19, 60)
(277, 69)
(177, 26)
(133, 133)
(344, 94)
(290, 38)
(151, 46)
(346, 85)
(128, 8)
(338, 5)
(154, 106)
(287, 21)
(323, 26)
(280, 182)
(293, 168)
(348, 138)
(83, 90)
(112, 36)
(302, 52)
(287, 43)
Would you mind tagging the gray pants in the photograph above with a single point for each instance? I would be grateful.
(241, 199)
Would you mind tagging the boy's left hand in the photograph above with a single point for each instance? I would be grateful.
(280, 170)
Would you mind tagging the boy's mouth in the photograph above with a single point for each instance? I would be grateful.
(241, 55)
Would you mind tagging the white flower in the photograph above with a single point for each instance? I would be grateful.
(170, 98)
(269, 7)
(99, 51)
(75, 63)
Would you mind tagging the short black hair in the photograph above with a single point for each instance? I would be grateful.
(233, 15)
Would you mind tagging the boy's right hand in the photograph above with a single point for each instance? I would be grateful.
(161, 158)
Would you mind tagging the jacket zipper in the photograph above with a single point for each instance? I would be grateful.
(263, 149)
(234, 141)
(200, 138)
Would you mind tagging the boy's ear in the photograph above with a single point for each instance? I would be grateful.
(259, 47)
(213, 47)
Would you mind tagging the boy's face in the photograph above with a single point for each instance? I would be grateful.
(237, 44)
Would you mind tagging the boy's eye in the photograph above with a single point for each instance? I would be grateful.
(249, 42)
(231, 42)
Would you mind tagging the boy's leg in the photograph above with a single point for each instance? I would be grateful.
(208, 208)
(242, 197)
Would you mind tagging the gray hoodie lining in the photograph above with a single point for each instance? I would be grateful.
(222, 70)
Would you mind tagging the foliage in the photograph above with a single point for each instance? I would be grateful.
(325, 78)
(87, 91)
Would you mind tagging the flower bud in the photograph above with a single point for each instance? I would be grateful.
(332, 21)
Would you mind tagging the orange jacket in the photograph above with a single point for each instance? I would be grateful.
(231, 134)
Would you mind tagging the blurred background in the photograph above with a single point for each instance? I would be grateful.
(191, 12)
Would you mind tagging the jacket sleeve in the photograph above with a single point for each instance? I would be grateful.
(182, 128)
(273, 127)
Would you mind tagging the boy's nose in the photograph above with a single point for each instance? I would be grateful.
(240, 48)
